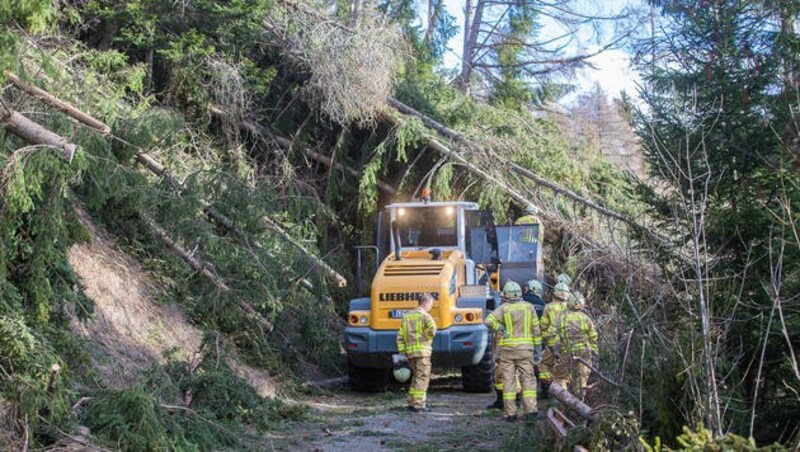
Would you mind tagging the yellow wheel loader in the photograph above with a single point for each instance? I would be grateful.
(454, 251)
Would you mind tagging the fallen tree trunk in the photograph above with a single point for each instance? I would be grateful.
(230, 225)
(159, 170)
(34, 133)
(201, 268)
(461, 139)
(332, 274)
(59, 104)
(568, 399)
(441, 148)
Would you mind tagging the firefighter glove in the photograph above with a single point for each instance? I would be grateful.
(595, 360)
(557, 351)
(537, 355)
(504, 332)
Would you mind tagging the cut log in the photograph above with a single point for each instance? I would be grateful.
(203, 269)
(34, 133)
(574, 403)
(59, 104)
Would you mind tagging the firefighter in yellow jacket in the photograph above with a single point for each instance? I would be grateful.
(531, 217)
(577, 338)
(549, 325)
(414, 340)
(520, 349)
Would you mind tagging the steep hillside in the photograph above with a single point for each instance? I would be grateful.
(130, 330)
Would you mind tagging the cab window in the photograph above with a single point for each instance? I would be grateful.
(427, 226)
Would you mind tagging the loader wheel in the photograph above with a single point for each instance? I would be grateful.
(478, 378)
(366, 379)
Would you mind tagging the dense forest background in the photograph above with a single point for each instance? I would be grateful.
(259, 139)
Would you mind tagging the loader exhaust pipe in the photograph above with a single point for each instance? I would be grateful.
(397, 244)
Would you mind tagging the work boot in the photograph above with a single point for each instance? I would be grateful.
(498, 402)
(511, 418)
(417, 409)
(530, 418)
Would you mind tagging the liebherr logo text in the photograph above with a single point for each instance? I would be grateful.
(404, 296)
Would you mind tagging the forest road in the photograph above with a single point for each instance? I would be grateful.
(349, 421)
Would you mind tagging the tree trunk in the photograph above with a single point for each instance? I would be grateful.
(434, 10)
(34, 133)
(574, 403)
(202, 269)
(332, 274)
(355, 13)
(471, 30)
(148, 64)
(159, 170)
(466, 68)
(59, 104)
(460, 139)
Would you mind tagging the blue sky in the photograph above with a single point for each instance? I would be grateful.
(612, 72)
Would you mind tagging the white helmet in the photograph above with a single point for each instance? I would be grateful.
(402, 374)
(531, 209)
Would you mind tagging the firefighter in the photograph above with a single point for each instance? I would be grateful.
(531, 217)
(520, 349)
(549, 325)
(414, 340)
(497, 377)
(532, 293)
(577, 338)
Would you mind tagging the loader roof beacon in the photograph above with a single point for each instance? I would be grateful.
(454, 251)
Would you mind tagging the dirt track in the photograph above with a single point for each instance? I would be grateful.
(352, 421)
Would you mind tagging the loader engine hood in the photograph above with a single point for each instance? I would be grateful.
(398, 285)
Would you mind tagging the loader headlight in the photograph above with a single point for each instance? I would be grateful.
(363, 320)
(459, 318)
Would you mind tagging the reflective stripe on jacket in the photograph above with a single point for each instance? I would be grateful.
(416, 334)
(552, 317)
(577, 332)
(527, 235)
(520, 322)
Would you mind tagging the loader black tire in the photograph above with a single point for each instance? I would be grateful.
(478, 378)
(366, 379)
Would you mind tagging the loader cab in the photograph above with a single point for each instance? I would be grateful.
(445, 226)
(520, 251)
